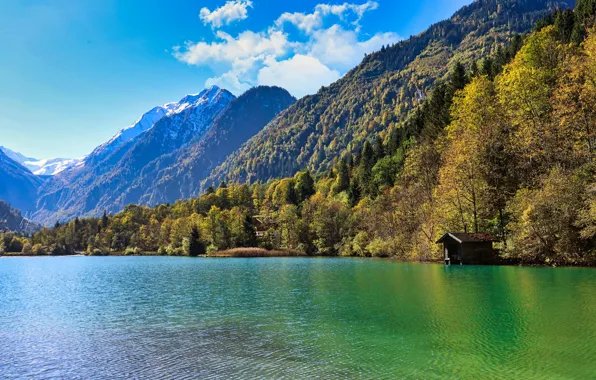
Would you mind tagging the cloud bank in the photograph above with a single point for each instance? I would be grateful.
(299, 51)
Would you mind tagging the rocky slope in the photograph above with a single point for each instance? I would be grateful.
(18, 186)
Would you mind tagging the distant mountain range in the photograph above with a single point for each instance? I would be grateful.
(177, 150)
(42, 167)
(179, 175)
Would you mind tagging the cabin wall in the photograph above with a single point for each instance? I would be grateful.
(478, 253)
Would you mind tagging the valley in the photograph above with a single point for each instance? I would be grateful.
(436, 133)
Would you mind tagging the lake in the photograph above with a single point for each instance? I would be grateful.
(173, 317)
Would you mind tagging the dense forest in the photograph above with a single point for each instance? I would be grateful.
(505, 146)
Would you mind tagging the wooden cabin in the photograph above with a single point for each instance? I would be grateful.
(466, 248)
(260, 226)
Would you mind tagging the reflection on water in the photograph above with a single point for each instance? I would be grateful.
(157, 317)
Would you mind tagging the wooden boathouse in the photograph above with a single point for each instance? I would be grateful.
(466, 248)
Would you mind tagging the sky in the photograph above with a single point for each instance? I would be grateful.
(73, 73)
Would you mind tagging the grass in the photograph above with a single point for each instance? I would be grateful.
(255, 252)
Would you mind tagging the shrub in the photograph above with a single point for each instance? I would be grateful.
(360, 244)
(27, 249)
(379, 248)
(132, 251)
(174, 251)
(16, 245)
(94, 251)
(39, 250)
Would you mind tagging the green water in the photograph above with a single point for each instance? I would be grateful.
(159, 317)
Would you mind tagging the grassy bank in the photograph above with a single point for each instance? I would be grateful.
(255, 252)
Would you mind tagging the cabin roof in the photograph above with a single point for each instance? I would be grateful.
(463, 237)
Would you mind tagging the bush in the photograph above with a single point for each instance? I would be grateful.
(132, 251)
(27, 249)
(94, 251)
(16, 245)
(379, 248)
(174, 251)
(360, 244)
(39, 250)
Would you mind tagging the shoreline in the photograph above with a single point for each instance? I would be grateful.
(229, 254)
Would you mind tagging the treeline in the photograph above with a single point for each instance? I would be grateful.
(506, 147)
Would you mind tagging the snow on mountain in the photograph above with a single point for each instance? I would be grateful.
(148, 120)
(48, 166)
(51, 166)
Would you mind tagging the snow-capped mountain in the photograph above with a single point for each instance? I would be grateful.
(103, 180)
(148, 120)
(44, 167)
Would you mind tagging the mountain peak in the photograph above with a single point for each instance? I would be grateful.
(151, 117)
(208, 95)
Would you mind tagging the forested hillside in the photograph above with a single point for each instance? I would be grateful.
(379, 93)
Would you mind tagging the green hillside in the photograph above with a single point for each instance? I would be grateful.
(378, 93)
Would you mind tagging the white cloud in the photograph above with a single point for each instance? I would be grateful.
(304, 22)
(230, 82)
(231, 11)
(328, 44)
(309, 22)
(300, 75)
(228, 49)
(339, 47)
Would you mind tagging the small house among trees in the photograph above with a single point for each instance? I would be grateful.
(260, 226)
(468, 248)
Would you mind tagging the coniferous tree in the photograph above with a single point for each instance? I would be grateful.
(195, 245)
(458, 77)
(394, 141)
(342, 182)
(367, 161)
(305, 185)
(379, 148)
(105, 220)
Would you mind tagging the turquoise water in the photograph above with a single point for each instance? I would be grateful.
(161, 317)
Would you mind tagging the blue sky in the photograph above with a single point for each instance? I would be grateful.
(73, 73)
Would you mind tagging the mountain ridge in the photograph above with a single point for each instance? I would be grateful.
(180, 177)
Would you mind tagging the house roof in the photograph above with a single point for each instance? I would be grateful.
(463, 237)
